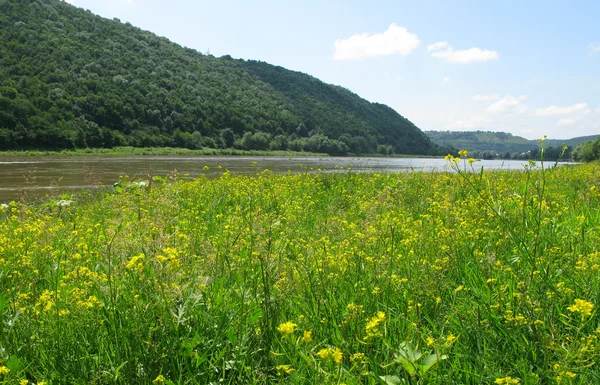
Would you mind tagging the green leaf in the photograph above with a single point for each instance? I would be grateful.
(408, 366)
(231, 335)
(428, 362)
(14, 364)
(255, 317)
(408, 352)
(391, 380)
(3, 301)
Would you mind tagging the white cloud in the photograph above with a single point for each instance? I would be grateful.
(486, 98)
(508, 103)
(396, 40)
(474, 123)
(69, 1)
(594, 48)
(437, 46)
(446, 80)
(444, 51)
(558, 110)
(566, 122)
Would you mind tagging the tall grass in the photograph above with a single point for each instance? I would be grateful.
(413, 278)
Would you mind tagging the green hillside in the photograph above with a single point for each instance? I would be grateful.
(482, 141)
(572, 143)
(70, 79)
(503, 145)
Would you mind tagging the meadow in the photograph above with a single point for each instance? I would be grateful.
(334, 278)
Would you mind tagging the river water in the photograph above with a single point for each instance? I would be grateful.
(35, 177)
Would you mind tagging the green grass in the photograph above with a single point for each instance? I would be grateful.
(338, 278)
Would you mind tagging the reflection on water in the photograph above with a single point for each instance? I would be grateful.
(33, 178)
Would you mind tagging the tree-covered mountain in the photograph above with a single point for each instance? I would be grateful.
(573, 142)
(481, 141)
(487, 144)
(69, 78)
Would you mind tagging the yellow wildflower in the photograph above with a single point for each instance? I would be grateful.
(357, 357)
(159, 379)
(430, 341)
(4, 370)
(287, 328)
(323, 353)
(507, 380)
(284, 369)
(307, 336)
(334, 354)
(451, 338)
(463, 153)
(24, 382)
(582, 306)
(375, 321)
(136, 262)
(337, 356)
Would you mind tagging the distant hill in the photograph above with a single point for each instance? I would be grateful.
(69, 78)
(498, 142)
(572, 143)
(482, 141)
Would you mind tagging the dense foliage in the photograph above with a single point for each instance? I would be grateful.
(70, 79)
(396, 278)
(490, 145)
(587, 151)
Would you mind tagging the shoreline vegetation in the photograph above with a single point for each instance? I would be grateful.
(137, 151)
(355, 278)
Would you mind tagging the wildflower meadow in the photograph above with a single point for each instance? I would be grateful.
(457, 277)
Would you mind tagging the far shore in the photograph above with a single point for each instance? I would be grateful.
(140, 151)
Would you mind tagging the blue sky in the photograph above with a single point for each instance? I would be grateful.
(531, 68)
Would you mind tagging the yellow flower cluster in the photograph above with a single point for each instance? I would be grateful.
(284, 369)
(375, 321)
(507, 380)
(332, 354)
(582, 306)
(287, 328)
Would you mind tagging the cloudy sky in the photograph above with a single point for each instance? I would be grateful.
(531, 67)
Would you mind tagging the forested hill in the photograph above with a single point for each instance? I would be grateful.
(70, 79)
(482, 141)
(487, 144)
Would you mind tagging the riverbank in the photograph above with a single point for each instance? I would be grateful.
(137, 151)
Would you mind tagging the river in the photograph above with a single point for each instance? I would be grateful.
(35, 177)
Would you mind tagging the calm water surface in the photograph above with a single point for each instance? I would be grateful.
(32, 178)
